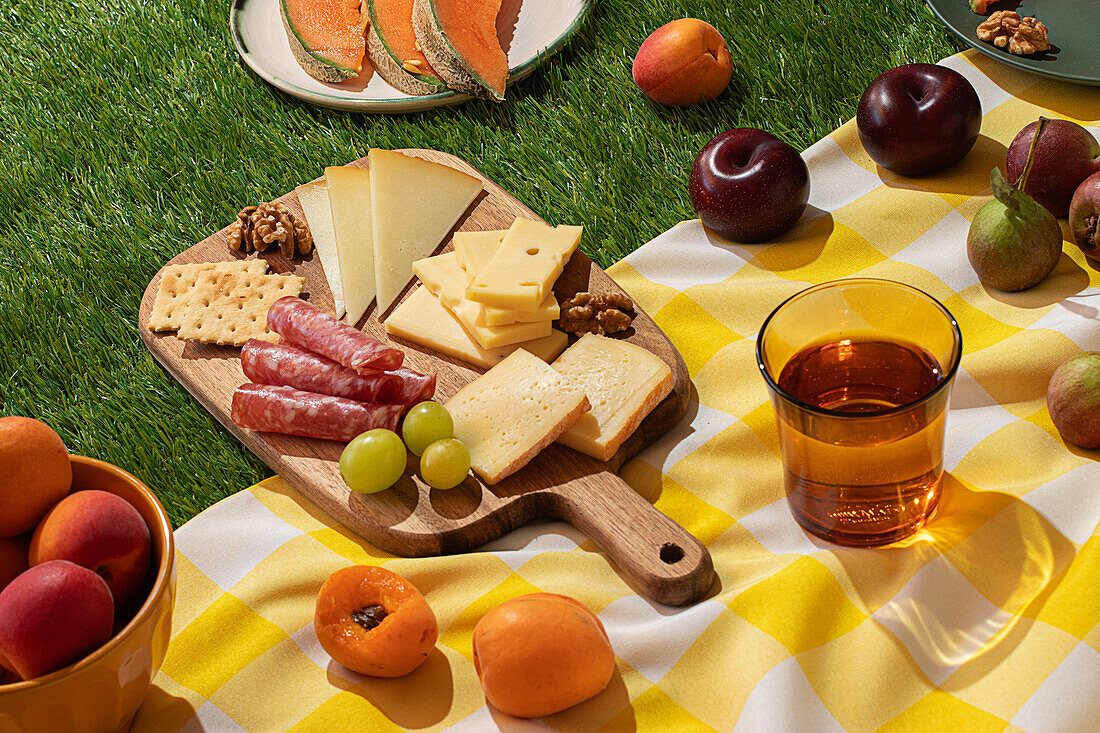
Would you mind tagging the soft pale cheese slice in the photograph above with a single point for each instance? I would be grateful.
(623, 382)
(350, 202)
(509, 414)
(522, 272)
(422, 320)
(443, 276)
(313, 197)
(415, 204)
(474, 251)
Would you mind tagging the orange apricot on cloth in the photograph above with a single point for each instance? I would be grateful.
(36, 473)
(541, 653)
(373, 621)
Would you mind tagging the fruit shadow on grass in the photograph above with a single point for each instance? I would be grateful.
(419, 699)
(1066, 280)
(968, 177)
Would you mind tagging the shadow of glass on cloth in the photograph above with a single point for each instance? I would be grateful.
(612, 705)
(984, 558)
(419, 699)
(968, 177)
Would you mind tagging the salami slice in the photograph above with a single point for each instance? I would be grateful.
(292, 411)
(286, 365)
(416, 387)
(302, 325)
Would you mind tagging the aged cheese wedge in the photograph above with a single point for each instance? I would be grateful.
(475, 250)
(444, 277)
(313, 197)
(422, 320)
(415, 204)
(522, 272)
(350, 202)
(509, 414)
(623, 382)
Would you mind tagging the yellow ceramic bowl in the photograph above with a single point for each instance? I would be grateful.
(101, 692)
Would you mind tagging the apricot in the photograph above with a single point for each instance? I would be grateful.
(102, 532)
(374, 622)
(682, 63)
(541, 653)
(13, 558)
(36, 473)
(53, 615)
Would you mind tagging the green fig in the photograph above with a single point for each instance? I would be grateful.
(1014, 242)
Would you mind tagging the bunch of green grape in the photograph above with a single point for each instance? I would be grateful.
(375, 460)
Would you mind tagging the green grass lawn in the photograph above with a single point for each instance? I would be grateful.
(130, 131)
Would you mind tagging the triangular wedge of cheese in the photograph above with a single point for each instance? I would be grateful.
(313, 197)
(350, 202)
(415, 203)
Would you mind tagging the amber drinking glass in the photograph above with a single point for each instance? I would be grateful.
(859, 373)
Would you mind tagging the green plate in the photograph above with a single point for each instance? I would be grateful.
(1073, 25)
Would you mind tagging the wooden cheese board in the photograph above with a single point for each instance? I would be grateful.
(655, 555)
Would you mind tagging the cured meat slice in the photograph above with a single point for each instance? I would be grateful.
(302, 325)
(416, 387)
(292, 411)
(289, 366)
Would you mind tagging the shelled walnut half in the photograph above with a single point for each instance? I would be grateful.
(270, 224)
(598, 314)
(1020, 36)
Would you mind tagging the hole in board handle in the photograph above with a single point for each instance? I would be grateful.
(671, 554)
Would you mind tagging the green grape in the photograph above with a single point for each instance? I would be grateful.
(373, 461)
(445, 463)
(426, 423)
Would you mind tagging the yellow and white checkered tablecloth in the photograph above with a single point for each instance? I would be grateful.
(986, 621)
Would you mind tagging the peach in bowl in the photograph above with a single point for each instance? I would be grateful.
(102, 690)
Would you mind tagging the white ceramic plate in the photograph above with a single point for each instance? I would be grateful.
(541, 28)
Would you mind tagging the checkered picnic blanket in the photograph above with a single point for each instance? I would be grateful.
(986, 620)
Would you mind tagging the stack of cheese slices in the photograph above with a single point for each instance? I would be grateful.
(492, 295)
(369, 226)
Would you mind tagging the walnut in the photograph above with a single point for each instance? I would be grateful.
(599, 314)
(1021, 36)
(260, 227)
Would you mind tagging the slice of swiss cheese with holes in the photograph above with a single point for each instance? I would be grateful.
(511, 412)
(623, 382)
(522, 272)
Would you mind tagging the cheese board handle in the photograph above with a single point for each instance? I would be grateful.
(658, 557)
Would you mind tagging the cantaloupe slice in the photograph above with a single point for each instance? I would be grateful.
(459, 38)
(394, 50)
(326, 37)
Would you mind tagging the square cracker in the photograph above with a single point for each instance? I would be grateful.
(228, 308)
(177, 282)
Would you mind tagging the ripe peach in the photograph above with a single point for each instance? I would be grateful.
(373, 621)
(102, 532)
(13, 558)
(37, 473)
(541, 653)
(683, 62)
(51, 616)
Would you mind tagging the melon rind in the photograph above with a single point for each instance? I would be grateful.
(318, 67)
(389, 66)
(447, 62)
